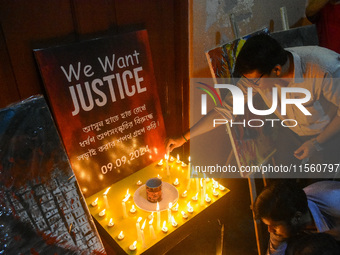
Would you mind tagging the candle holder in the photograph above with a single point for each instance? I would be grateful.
(111, 223)
(94, 203)
(133, 246)
(121, 235)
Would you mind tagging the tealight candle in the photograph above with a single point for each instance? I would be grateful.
(215, 184)
(184, 194)
(207, 179)
(221, 188)
(133, 246)
(127, 195)
(121, 235)
(178, 161)
(164, 228)
(139, 183)
(175, 208)
(190, 208)
(95, 202)
(160, 163)
(102, 213)
(172, 159)
(159, 177)
(111, 223)
(173, 222)
(184, 215)
(150, 216)
(207, 198)
(195, 198)
(176, 182)
(215, 193)
(183, 164)
(133, 209)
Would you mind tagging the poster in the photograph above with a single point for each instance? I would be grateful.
(104, 98)
(251, 146)
(42, 208)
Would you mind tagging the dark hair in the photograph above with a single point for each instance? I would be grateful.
(280, 201)
(260, 52)
(313, 244)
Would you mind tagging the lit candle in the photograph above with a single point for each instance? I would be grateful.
(95, 202)
(167, 164)
(172, 159)
(207, 179)
(175, 208)
(173, 222)
(197, 185)
(204, 187)
(139, 183)
(105, 197)
(215, 184)
(158, 217)
(139, 235)
(150, 216)
(176, 182)
(160, 163)
(127, 195)
(133, 209)
(195, 198)
(221, 188)
(169, 212)
(164, 228)
(190, 208)
(124, 207)
(207, 198)
(142, 234)
(215, 193)
(183, 164)
(184, 215)
(152, 231)
(189, 168)
(102, 213)
(111, 223)
(121, 235)
(178, 161)
(133, 246)
(184, 194)
(159, 177)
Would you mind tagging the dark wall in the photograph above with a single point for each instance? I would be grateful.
(27, 25)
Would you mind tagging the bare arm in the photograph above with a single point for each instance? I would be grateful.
(314, 6)
(205, 124)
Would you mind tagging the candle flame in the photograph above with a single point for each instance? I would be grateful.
(126, 198)
(134, 243)
(189, 158)
(188, 204)
(177, 157)
(133, 207)
(110, 222)
(151, 221)
(183, 213)
(105, 193)
(176, 181)
(157, 208)
(196, 195)
(173, 220)
(201, 182)
(176, 207)
(185, 192)
(164, 224)
(127, 192)
(143, 226)
(103, 212)
(139, 219)
(121, 233)
(170, 205)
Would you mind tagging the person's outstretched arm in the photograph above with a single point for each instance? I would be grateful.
(204, 125)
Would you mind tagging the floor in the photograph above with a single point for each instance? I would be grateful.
(235, 214)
